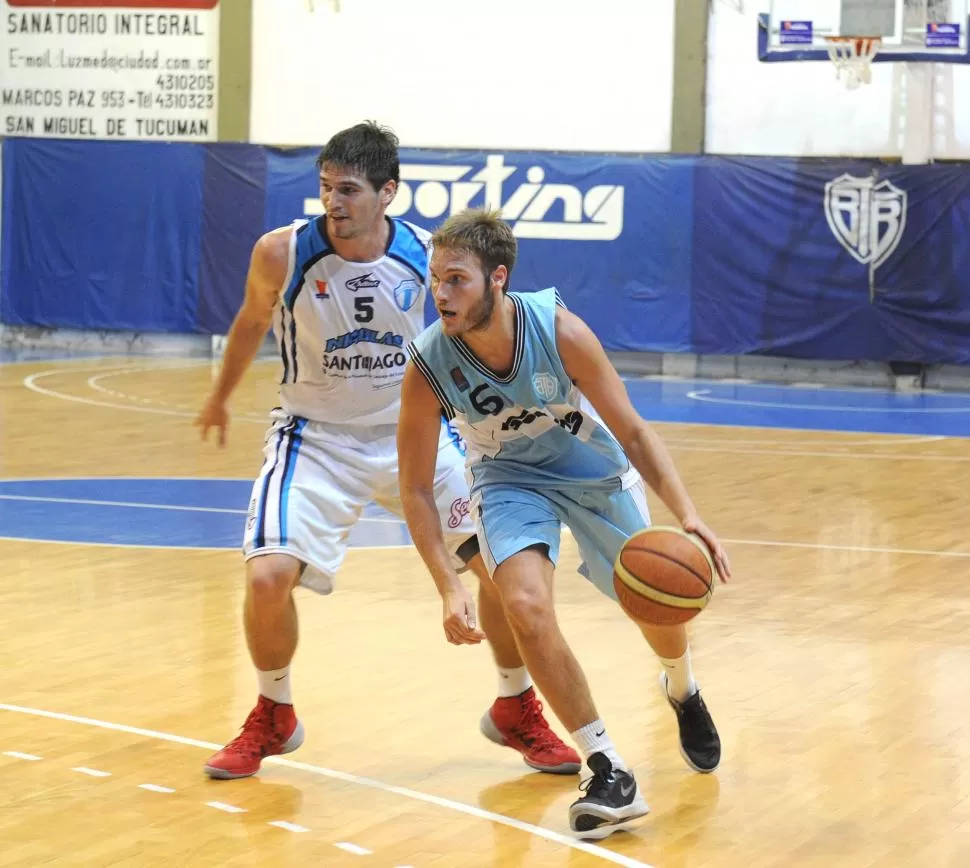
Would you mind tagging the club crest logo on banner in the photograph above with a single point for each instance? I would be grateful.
(867, 217)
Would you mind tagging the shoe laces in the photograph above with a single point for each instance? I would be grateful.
(695, 715)
(598, 784)
(256, 732)
(533, 728)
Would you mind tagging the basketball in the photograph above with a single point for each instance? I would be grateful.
(663, 576)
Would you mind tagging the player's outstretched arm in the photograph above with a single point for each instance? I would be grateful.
(267, 270)
(417, 449)
(590, 369)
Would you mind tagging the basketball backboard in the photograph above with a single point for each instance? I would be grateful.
(928, 31)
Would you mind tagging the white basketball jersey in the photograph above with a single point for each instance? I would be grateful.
(342, 327)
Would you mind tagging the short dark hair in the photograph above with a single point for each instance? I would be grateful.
(482, 232)
(367, 148)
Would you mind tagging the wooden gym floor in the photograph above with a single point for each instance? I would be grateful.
(835, 664)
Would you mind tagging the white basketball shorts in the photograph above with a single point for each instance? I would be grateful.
(315, 480)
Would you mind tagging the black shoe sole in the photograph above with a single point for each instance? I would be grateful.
(595, 822)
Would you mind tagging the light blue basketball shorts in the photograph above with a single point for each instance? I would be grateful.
(512, 519)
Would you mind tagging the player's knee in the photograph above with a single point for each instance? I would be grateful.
(529, 611)
(271, 579)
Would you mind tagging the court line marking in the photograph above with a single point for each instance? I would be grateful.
(138, 504)
(391, 520)
(802, 427)
(371, 783)
(147, 355)
(16, 754)
(93, 383)
(81, 501)
(30, 383)
(289, 827)
(353, 848)
(801, 385)
(158, 546)
(704, 396)
(229, 809)
(769, 453)
(119, 545)
(879, 550)
(67, 359)
(91, 773)
(746, 441)
(248, 480)
(679, 443)
(189, 410)
(401, 546)
(155, 788)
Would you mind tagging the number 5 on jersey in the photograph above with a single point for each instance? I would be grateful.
(365, 308)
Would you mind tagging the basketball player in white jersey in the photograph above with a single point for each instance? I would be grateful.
(344, 294)
(552, 439)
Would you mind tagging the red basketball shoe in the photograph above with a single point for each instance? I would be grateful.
(270, 729)
(517, 722)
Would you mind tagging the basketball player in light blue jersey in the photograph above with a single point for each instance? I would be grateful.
(344, 294)
(552, 438)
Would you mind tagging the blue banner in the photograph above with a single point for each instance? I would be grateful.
(831, 260)
(823, 259)
(234, 195)
(101, 235)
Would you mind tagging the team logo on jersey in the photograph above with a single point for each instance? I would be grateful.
(866, 217)
(459, 379)
(545, 385)
(322, 289)
(406, 294)
(460, 507)
(362, 281)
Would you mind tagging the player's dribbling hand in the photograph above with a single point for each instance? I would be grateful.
(460, 620)
(213, 415)
(692, 524)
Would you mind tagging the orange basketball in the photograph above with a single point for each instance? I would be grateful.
(663, 575)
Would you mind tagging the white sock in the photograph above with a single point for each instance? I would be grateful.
(680, 677)
(592, 738)
(512, 682)
(275, 684)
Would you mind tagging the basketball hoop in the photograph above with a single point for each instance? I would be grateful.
(853, 55)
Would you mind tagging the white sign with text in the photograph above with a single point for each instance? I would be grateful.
(109, 69)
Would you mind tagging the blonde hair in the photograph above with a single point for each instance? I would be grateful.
(482, 232)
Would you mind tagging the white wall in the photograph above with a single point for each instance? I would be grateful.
(800, 109)
(581, 75)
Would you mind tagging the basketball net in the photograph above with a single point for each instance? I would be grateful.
(853, 55)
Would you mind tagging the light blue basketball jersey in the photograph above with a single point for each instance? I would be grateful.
(532, 428)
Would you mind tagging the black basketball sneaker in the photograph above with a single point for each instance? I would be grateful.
(700, 745)
(610, 802)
